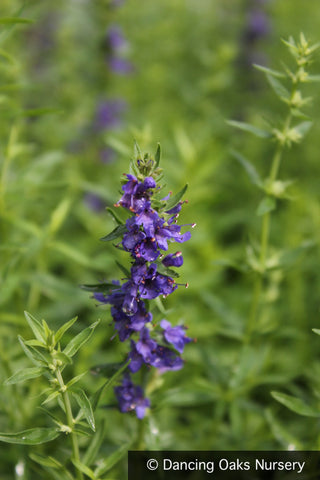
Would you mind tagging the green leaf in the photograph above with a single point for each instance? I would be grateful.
(45, 461)
(123, 269)
(62, 330)
(65, 359)
(163, 270)
(107, 369)
(172, 202)
(98, 287)
(313, 78)
(278, 88)
(85, 405)
(158, 156)
(266, 205)
(33, 436)
(107, 463)
(247, 127)
(70, 252)
(316, 330)
(77, 342)
(115, 216)
(303, 128)
(37, 112)
(52, 396)
(117, 232)
(36, 327)
(295, 404)
(32, 353)
(84, 469)
(25, 374)
(289, 257)
(249, 168)
(94, 447)
(269, 71)
(14, 20)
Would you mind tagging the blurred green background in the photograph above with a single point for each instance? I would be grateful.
(77, 85)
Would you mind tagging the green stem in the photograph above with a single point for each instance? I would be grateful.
(70, 421)
(264, 239)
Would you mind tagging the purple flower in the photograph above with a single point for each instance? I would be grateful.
(107, 155)
(258, 24)
(145, 346)
(175, 335)
(94, 202)
(136, 359)
(130, 397)
(119, 65)
(115, 38)
(108, 114)
(166, 359)
(173, 260)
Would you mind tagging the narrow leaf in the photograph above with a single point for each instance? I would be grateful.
(295, 404)
(278, 88)
(123, 269)
(303, 128)
(84, 469)
(98, 287)
(258, 132)
(158, 156)
(107, 463)
(117, 232)
(25, 374)
(45, 461)
(34, 436)
(14, 20)
(249, 168)
(115, 216)
(51, 397)
(37, 112)
(94, 447)
(65, 359)
(176, 198)
(75, 379)
(77, 342)
(62, 330)
(313, 78)
(266, 205)
(269, 71)
(85, 405)
(32, 353)
(166, 271)
(106, 385)
(316, 330)
(36, 327)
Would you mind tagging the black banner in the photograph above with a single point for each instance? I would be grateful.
(221, 465)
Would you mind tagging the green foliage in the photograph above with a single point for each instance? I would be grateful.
(54, 189)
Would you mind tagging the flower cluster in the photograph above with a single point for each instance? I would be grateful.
(150, 227)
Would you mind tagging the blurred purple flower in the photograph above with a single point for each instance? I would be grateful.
(258, 25)
(94, 202)
(108, 114)
(120, 66)
(107, 155)
(115, 38)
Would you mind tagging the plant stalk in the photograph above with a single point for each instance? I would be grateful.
(70, 421)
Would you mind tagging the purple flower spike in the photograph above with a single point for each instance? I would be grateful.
(175, 335)
(130, 397)
(146, 233)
